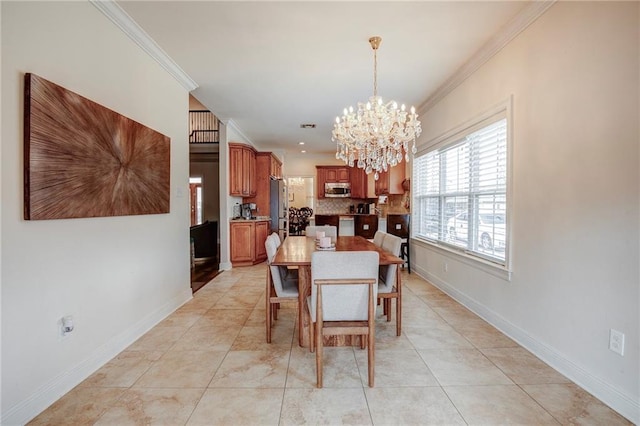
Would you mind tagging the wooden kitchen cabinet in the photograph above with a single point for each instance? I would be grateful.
(390, 182)
(247, 241)
(331, 174)
(262, 232)
(337, 174)
(275, 169)
(359, 183)
(267, 167)
(242, 170)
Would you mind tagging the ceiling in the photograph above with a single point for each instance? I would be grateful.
(272, 66)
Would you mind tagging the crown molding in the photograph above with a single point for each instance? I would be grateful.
(495, 44)
(123, 21)
(234, 126)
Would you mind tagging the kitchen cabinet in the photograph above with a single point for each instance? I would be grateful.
(331, 174)
(275, 169)
(267, 166)
(390, 182)
(242, 170)
(337, 175)
(359, 183)
(247, 241)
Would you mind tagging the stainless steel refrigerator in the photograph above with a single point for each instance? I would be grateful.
(279, 208)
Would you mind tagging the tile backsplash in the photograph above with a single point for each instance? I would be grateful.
(395, 204)
(334, 205)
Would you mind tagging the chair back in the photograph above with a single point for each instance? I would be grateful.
(276, 238)
(348, 302)
(329, 231)
(378, 238)
(392, 244)
(277, 273)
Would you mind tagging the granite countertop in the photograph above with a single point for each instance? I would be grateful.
(253, 219)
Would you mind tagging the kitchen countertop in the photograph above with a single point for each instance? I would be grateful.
(254, 219)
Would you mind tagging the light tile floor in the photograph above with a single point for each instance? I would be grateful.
(208, 364)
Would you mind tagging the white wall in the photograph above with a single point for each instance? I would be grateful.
(118, 276)
(305, 164)
(574, 76)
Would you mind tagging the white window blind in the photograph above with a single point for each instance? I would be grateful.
(460, 192)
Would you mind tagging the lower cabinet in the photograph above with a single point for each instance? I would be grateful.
(247, 242)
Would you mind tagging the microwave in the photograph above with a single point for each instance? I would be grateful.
(337, 190)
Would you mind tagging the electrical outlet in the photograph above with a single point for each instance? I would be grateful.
(445, 267)
(616, 341)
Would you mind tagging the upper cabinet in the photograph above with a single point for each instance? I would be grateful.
(331, 174)
(242, 170)
(337, 174)
(390, 182)
(275, 169)
(267, 167)
(359, 183)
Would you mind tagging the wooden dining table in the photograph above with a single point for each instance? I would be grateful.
(296, 251)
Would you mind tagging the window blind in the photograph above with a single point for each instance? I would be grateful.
(460, 192)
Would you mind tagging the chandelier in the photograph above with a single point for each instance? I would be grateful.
(377, 134)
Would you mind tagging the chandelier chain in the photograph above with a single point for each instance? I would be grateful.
(376, 135)
(375, 72)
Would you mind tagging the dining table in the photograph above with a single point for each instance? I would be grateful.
(296, 251)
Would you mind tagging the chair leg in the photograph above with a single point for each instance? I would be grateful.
(275, 311)
(398, 303)
(319, 348)
(268, 297)
(311, 336)
(387, 303)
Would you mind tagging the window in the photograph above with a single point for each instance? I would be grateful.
(460, 191)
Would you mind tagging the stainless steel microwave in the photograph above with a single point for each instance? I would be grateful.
(337, 190)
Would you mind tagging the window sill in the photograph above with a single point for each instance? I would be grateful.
(487, 266)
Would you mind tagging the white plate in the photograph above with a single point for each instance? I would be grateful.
(326, 248)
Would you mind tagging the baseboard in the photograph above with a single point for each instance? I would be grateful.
(50, 392)
(225, 266)
(619, 401)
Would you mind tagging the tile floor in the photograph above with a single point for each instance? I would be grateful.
(208, 364)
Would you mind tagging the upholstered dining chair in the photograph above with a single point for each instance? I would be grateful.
(342, 302)
(281, 286)
(378, 237)
(388, 287)
(276, 238)
(329, 231)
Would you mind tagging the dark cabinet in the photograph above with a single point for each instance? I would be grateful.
(365, 225)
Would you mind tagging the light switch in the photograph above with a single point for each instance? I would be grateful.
(398, 226)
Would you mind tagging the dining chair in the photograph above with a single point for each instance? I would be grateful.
(329, 231)
(388, 284)
(281, 287)
(398, 224)
(378, 237)
(342, 302)
(276, 238)
(292, 271)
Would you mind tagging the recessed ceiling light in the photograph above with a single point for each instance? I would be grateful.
(303, 151)
(300, 143)
(307, 126)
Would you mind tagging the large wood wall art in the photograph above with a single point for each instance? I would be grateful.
(84, 160)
